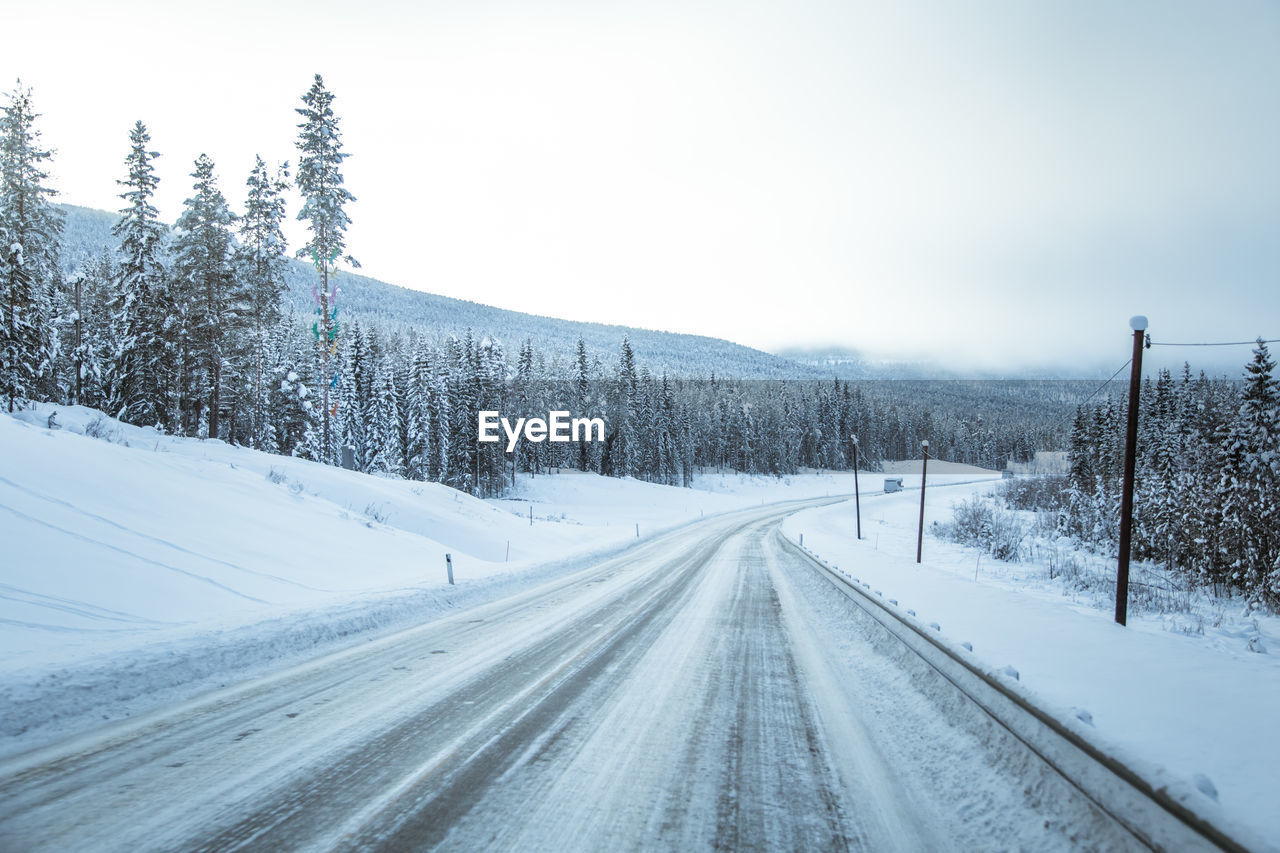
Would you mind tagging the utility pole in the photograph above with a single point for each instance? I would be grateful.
(857, 500)
(924, 468)
(1139, 326)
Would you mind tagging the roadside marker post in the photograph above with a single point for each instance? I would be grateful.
(448, 562)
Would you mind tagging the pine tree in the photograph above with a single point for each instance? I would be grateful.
(29, 230)
(92, 333)
(142, 307)
(523, 394)
(291, 411)
(442, 426)
(418, 414)
(211, 307)
(353, 396)
(620, 447)
(582, 393)
(383, 450)
(668, 439)
(260, 265)
(324, 197)
(1249, 490)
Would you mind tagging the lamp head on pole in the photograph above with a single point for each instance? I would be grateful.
(925, 444)
(1138, 323)
(855, 438)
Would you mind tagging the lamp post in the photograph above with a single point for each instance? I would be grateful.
(857, 500)
(924, 468)
(1139, 326)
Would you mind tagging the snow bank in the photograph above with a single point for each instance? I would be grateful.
(1184, 709)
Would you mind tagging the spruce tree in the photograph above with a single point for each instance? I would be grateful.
(582, 394)
(1249, 490)
(620, 446)
(204, 285)
(324, 197)
(142, 307)
(353, 395)
(29, 230)
(418, 413)
(441, 426)
(92, 333)
(383, 448)
(260, 265)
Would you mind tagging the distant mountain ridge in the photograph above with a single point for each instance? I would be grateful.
(87, 232)
(850, 364)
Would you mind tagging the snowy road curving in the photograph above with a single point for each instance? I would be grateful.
(703, 690)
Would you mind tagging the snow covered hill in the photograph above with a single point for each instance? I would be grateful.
(87, 232)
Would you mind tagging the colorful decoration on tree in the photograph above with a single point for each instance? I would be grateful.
(325, 329)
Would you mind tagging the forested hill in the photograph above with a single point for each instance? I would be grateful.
(87, 232)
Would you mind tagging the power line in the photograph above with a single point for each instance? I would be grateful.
(1066, 422)
(1152, 343)
(1104, 384)
(1069, 421)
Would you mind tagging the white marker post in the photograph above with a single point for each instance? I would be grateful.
(448, 562)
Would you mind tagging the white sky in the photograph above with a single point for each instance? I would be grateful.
(900, 178)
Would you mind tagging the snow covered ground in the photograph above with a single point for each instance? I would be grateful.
(1194, 712)
(140, 568)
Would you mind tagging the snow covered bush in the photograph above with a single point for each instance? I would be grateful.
(102, 428)
(981, 523)
(1035, 493)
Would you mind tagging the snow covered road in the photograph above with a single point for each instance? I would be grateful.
(702, 690)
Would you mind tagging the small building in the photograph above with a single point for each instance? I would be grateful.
(1006, 474)
(892, 484)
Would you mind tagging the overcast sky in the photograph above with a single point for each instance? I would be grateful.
(988, 184)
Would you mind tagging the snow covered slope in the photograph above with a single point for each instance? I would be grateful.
(114, 538)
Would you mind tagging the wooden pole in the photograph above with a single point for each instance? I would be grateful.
(857, 499)
(1139, 326)
(924, 467)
